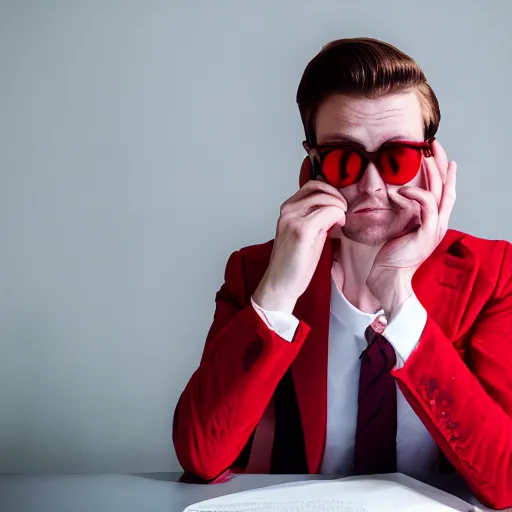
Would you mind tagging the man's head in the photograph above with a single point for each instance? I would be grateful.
(366, 93)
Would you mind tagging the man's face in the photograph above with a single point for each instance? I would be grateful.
(371, 122)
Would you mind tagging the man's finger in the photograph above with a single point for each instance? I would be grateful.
(433, 177)
(321, 185)
(449, 196)
(314, 201)
(325, 218)
(312, 187)
(441, 159)
(428, 205)
(403, 203)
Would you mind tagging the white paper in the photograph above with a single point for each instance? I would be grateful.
(382, 493)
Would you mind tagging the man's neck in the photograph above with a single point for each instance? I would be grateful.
(351, 267)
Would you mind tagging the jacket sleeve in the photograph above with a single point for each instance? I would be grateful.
(468, 408)
(242, 363)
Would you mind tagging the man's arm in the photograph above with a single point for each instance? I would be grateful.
(242, 363)
(244, 359)
(468, 410)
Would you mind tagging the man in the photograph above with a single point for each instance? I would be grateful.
(367, 337)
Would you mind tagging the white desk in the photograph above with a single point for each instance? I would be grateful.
(158, 492)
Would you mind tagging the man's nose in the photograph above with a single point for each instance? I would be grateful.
(371, 181)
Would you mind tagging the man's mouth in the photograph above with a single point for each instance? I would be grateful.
(370, 210)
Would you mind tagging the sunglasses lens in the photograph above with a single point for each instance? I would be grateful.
(399, 165)
(341, 167)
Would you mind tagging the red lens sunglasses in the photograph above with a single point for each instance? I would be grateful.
(344, 164)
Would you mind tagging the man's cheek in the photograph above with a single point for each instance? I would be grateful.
(351, 195)
(419, 180)
(346, 194)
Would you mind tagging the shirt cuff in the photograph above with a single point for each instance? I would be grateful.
(283, 324)
(404, 331)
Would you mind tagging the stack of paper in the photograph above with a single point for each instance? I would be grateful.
(383, 493)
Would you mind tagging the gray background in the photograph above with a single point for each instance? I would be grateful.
(141, 142)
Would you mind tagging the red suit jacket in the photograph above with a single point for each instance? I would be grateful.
(458, 379)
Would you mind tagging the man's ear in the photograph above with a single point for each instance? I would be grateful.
(306, 171)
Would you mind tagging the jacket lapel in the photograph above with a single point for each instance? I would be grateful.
(309, 369)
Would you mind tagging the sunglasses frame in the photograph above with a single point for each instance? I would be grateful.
(316, 153)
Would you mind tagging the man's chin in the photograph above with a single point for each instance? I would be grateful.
(372, 236)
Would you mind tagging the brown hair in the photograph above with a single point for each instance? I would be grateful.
(363, 67)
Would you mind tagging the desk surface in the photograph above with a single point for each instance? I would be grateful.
(155, 492)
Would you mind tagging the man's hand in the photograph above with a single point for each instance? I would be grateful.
(302, 229)
(397, 261)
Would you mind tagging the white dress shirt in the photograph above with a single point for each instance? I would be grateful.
(417, 454)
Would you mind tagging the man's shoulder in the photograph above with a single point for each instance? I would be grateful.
(481, 248)
(250, 264)
(255, 258)
(485, 263)
(258, 251)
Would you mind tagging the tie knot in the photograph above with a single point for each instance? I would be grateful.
(379, 350)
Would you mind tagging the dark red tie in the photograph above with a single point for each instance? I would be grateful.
(375, 450)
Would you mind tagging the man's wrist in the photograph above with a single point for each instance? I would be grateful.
(391, 287)
(406, 328)
(267, 298)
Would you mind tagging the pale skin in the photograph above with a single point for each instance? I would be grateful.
(380, 250)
